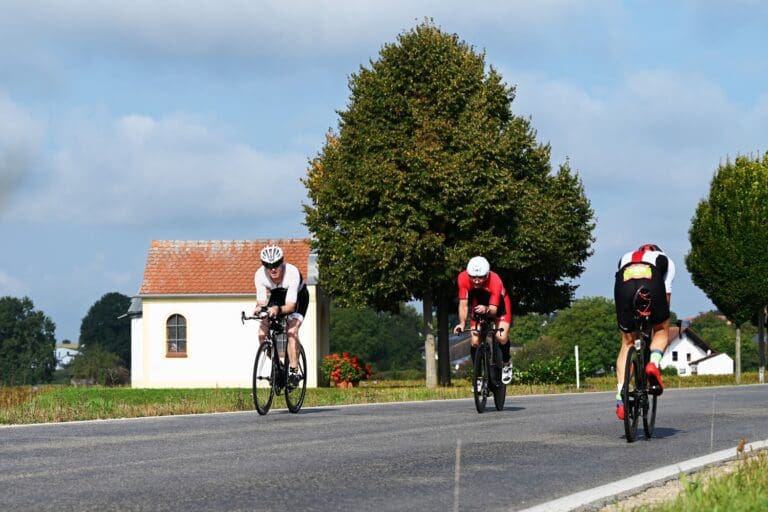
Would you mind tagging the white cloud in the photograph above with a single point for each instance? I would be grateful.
(139, 170)
(20, 137)
(245, 28)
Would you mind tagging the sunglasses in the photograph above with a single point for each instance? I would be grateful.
(272, 266)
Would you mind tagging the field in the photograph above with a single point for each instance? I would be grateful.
(41, 404)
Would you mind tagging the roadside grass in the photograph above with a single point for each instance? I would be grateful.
(745, 489)
(57, 403)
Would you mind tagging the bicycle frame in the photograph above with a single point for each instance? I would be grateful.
(640, 401)
(487, 365)
(276, 373)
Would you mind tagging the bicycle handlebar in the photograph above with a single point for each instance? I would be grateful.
(482, 319)
(260, 316)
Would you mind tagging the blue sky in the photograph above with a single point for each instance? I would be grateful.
(123, 122)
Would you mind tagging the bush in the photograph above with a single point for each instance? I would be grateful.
(669, 371)
(345, 368)
(99, 366)
(555, 371)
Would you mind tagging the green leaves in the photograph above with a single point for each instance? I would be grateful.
(27, 343)
(430, 167)
(728, 239)
(103, 328)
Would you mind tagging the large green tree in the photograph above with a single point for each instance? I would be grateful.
(105, 326)
(429, 167)
(728, 239)
(27, 343)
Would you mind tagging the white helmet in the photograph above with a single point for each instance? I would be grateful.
(272, 256)
(478, 267)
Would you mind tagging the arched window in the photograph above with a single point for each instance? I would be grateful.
(176, 336)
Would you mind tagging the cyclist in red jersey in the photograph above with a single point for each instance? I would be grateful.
(651, 268)
(485, 292)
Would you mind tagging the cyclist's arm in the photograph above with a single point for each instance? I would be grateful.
(262, 292)
(463, 312)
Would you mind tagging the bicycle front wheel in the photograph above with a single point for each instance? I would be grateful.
(630, 395)
(480, 379)
(264, 376)
(296, 386)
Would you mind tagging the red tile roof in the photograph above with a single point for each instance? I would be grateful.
(212, 266)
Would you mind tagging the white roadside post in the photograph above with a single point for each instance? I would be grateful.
(576, 351)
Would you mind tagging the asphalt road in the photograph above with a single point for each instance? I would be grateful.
(411, 456)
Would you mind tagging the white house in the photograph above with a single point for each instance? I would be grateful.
(691, 355)
(65, 352)
(185, 321)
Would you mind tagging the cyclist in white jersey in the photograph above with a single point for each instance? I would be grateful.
(651, 268)
(281, 289)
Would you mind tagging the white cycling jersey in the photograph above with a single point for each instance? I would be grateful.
(291, 283)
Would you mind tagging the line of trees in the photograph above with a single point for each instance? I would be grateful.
(28, 343)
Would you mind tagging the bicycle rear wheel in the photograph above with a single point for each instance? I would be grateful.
(499, 388)
(295, 391)
(264, 376)
(649, 415)
(480, 379)
(630, 395)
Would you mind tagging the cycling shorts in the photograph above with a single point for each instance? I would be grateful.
(629, 279)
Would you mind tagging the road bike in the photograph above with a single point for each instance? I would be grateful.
(270, 368)
(637, 394)
(486, 378)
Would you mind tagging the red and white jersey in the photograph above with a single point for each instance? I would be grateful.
(492, 293)
(658, 259)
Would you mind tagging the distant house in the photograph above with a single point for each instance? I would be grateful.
(692, 356)
(185, 321)
(65, 352)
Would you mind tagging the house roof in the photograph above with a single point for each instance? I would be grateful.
(711, 356)
(204, 267)
(692, 335)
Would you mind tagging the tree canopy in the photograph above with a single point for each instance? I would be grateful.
(430, 167)
(27, 343)
(728, 239)
(102, 327)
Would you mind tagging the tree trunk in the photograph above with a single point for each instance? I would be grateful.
(429, 342)
(738, 355)
(761, 343)
(443, 348)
